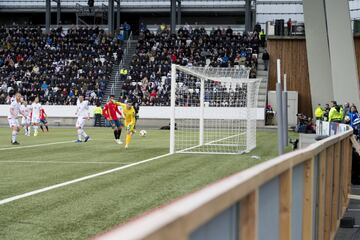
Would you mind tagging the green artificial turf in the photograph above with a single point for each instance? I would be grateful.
(83, 209)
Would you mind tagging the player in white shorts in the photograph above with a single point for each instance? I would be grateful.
(35, 115)
(14, 112)
(83, 114)
(25, 121)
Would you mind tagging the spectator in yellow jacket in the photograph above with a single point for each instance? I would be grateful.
(336, 113)
(319, 112)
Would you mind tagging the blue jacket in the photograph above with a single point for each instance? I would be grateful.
(352, 116)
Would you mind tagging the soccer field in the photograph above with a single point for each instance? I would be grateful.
(86, 206)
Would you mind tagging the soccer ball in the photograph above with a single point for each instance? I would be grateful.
(143, 133)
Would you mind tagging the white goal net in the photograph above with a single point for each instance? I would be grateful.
(213, 110)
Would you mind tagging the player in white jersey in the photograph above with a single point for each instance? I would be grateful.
(25, 121)
(14, 113)
(83, 114)
(35, 115)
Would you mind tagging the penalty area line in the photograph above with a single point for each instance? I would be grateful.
(46, 189)
(36, 145)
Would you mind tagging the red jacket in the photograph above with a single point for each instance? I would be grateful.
(110, 111)
(42, 114)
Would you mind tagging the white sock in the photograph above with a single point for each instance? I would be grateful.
(35, 128)
(25, 130)
(13, 136)
(83, 133)
(79, 131)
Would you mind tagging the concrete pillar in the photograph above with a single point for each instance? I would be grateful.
(58, 12)
(179, 13)
(47, 15)
(118, 15)
(248, 13)
(173, 16)
(318, 54)
(342, 52)
(111, 16)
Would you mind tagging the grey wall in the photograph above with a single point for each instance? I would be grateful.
(342, 52)
(318, 51)
(330, 51)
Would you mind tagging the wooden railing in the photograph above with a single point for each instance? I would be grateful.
(299, 195)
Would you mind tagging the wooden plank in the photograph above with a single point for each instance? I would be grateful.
(285, 204)
(336, 181)
(248, 216)
(328, 191)
(345, 175)
(292, 53)
(307, 222)
(350, 152)
(321, 207)
(342, 183)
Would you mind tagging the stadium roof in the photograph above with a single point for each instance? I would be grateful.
(126, 5)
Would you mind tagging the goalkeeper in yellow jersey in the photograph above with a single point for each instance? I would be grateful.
(129, 117)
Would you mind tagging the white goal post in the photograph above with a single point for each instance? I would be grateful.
(213, 110)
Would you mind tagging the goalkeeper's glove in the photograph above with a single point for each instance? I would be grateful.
(128, 128)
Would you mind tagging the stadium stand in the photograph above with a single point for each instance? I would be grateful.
(56, 67)
(148, 81)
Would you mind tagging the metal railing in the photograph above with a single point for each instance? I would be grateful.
(112, 90)
(125, 52)
(299, 195)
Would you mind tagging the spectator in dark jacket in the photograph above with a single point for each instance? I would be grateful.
(265, 58)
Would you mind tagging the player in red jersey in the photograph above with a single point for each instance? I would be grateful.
(111, 113)
(43, 121)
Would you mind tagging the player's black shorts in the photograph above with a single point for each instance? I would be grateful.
(43, 121)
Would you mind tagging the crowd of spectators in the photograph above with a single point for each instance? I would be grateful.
(58, 66)
(148, 81)
(332, 112)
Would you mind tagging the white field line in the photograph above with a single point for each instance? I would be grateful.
(60, 162)
(28, 194)
(209, 143)
(36, 145)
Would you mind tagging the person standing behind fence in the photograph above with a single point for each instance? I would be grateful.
(353, 115)
(265, 58)
(97, 115)
(346, 108)
(319, 113)
(326, 112)
(127, 30)
(289, 27)
(336, 113)
(123, 74)
(262, 36)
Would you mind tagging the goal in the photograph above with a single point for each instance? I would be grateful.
(213, 110)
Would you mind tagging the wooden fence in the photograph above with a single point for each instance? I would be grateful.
(299, 195)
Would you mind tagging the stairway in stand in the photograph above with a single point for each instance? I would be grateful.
(261, 73)
(115, 84)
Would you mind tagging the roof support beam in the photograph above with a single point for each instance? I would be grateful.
(47, 15)
(173, 16)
